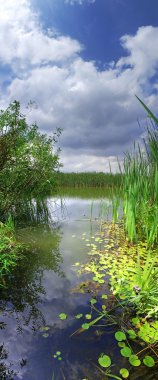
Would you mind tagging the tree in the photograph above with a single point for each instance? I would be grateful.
(28, 161)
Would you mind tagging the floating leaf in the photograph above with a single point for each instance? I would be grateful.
(135, 321)
(88, 316)
(124, 373)
(78, 316)
(104, 361)
(121, 344)
(134, 360)
(45, 335)
(93, 301)
(119, 335)
(85, 326)
(126, 352)
(44, 328)
(149, 361)
(132, 334)
(62, 316)
(104, 296)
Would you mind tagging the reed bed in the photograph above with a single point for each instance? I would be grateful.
(140, 187)
(88, 179)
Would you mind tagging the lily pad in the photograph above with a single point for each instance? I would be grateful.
(62, 316)
(126, 352)
(149, 361)
(78, 316)
(85, 326)
(119, 336)
(124, 373)
(134, 360)
(104, 361)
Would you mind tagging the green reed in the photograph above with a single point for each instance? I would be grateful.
(140, 187)
(88, 179)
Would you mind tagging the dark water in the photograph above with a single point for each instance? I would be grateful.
(41, 288)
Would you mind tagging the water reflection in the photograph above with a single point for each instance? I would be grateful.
(40, 289)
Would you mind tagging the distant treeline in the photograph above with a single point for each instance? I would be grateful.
(88, 179)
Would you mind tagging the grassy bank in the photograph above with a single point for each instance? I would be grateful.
(88, 179)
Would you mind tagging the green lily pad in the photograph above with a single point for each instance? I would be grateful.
(121, 344)
(85, 326)
(93, 301)
(134, 360)
(124, 373)
(104, 361)
(78, 316)
(132, 334)
(45, 335)
(104, 296)
(149, 361)
(62, 316)
(119, 336)
(88, 316)
(126, 352)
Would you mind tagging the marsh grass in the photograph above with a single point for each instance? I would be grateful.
(9, 249)
(140, 187)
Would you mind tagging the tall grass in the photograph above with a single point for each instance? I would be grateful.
(88, 179)
(140, 187)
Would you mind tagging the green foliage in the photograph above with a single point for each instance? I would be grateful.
(119, 336)
(124, 373)
(63, 316)
(149, 361)
(140, 187)
(104, 361)
(10, 249)
(88, 179)
(28, 163)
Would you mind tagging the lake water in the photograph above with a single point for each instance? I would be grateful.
(41, 288)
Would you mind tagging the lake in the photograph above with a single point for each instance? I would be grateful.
(35, 343)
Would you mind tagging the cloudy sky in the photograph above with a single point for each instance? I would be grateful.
(82, 62)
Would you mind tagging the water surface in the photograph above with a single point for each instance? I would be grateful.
(41, 288)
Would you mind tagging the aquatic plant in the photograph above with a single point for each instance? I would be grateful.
(140, 187)
(9, 249)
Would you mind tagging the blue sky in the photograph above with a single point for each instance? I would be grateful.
(82, 62)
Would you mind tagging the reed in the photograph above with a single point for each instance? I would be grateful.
(140, 187)
(88, 179)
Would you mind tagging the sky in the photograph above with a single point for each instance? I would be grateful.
(82, 62)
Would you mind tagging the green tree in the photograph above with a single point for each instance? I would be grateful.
(28, 161)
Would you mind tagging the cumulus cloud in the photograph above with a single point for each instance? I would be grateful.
(97, 109)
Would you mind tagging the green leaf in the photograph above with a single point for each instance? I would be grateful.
(62, 316)
(45, 335)
(58, 353)
(44, 328)
(124, 373)
(126, 352)
(93, 301)
(149, 361)
(104, 361)
(104, 296)
(119, 336)
(132, 334)
(78, 316)
(88, 316)
(135, 321)
(85, 326)
(121, 344)
(134, 360)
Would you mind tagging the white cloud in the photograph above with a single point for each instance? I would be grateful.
(80, 2)
(97, 109)
(23, 41)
